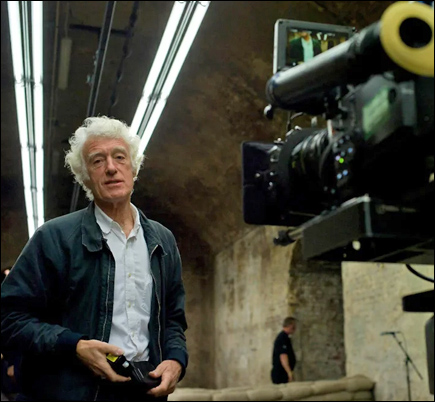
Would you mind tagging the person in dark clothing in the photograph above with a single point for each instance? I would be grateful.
(283, 358)
(10, 367)
(9, 384)
(99, 281)
(302, 49)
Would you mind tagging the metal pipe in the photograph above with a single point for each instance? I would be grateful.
(101, 56)
(48, 145)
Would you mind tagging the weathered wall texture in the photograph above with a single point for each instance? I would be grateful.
(200, 333)
(13, 238)
(373, 304)
(251, 299)
(198, 284)
(254, 292)
(316, 297)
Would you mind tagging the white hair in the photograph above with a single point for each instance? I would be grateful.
(101, 126)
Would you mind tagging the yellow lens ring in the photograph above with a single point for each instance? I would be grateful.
(416, 60)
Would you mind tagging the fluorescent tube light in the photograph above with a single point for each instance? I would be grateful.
(194, 24)
(16, 40)
(29, 111)
(20, 99)
(168, 36)
(39, 150)
(38, 105)
(149, 129)
(192, 30)
(25, 156)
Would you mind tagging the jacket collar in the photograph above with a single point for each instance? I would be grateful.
(152, 238)
(92, 237)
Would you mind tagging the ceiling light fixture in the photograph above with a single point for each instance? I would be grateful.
(181, 29)
(27, 60)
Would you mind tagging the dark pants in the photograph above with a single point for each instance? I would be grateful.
(113, 392)
(119, 391)
(279, 376)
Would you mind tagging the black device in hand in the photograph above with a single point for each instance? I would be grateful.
(138, 371)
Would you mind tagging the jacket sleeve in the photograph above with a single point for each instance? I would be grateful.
(176, 325)
(31, 301)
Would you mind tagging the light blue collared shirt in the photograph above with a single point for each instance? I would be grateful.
(308, 47)
(133, 286)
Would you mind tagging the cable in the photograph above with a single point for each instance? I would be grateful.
(291, 117)
(426, 278)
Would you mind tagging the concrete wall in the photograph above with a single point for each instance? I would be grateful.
(200, 333)
(372, 304)
(198, 284)
(251, 288)
(254, 289)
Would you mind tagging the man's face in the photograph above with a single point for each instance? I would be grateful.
(109, 167)
(291, 329)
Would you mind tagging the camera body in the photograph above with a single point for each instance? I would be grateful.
(380, 143)
(371, 168)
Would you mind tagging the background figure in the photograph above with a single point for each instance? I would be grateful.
(10, 367)
(283, 358)
(302, 49)
(9, 385)
(105, 279)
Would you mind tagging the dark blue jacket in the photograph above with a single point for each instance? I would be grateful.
(61, 290)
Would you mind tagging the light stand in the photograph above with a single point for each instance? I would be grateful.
(408, 360)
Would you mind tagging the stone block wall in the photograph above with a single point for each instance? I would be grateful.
(373, 304)
(316, 298)
(251, 289)
(256, 285)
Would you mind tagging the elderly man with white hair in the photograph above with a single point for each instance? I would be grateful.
(101, 282)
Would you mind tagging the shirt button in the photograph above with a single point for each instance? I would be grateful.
(129, 275)
(129, 304)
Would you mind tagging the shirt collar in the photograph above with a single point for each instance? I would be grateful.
(136, 226)
(307, 42)
(103, 220)
(106, 222)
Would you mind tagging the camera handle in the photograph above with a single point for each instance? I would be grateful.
(269, 111)
(284, 238)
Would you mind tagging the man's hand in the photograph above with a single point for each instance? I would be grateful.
(92, 353)
(11, 372)
(170, 371)
(290, 376)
